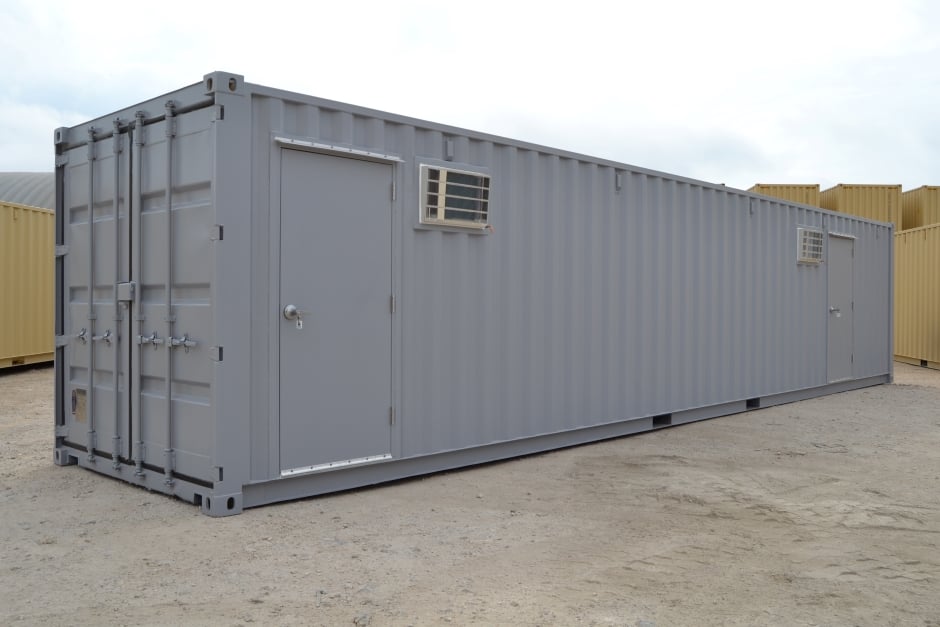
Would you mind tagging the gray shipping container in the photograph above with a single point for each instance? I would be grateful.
(283, 296)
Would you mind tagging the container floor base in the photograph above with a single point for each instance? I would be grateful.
(25, 360)
(227, 499)
(923, 363)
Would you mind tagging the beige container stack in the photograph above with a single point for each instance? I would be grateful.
(27, 284)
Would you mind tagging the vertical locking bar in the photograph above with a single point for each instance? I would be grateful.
(168, 289)
(116, 208)
(91, 294)
(137, 199)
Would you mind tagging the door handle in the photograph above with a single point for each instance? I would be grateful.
(835, 310)
(291, 312)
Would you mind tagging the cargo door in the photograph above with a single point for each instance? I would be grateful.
(134, 245)
(841, 349)
(95, 333)
(334, 312)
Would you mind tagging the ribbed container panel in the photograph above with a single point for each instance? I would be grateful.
(606, 292)
(806, 194)
(921, 206)
(917, 295)
(874, 202)
(27, 285)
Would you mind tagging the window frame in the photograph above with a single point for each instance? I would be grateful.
(807, 251)
(424, 218)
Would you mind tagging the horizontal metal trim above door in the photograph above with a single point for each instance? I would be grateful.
(330, 149)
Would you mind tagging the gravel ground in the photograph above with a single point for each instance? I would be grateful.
(823, 512)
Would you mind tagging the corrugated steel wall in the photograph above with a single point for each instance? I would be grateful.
(875, 202)
(804, 194)
(917, 296)
(27, 291)
(606, 293)
(682, 294)
(921, 206)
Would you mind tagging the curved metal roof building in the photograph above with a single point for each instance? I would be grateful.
(36, 189)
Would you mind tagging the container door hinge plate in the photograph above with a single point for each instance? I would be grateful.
(216, 233)
(61, 251)
(125, 291)
(394, 192)
(392, 303)
(215, 353)
(61, 431)
(218, 113)
(391, 415)
(61, 160)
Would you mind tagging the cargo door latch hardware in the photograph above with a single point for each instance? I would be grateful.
(184, 341)
(107, 337)
(82, 336)
(150, 339)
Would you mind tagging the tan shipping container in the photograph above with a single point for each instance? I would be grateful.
(27, 284)
(917, 296)
(920, 207)
(875, 202)
(807, 194)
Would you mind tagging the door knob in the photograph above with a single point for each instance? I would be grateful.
(291, 312)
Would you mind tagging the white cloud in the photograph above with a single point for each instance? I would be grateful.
(26, 135)
(731, 91)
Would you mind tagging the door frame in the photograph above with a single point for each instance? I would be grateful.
(829, 237)
(272, 324)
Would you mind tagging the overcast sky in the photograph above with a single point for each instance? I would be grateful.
(727, 91)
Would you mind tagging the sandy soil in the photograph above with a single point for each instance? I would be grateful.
(824, 512)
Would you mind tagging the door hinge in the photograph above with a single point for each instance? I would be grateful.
(391, 415)
(216, 233)
(394, 192)
(392, 303)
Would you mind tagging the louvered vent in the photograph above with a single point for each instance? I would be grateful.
(454, 197)
(809, 245)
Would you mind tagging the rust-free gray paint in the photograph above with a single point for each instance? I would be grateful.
(316, 336)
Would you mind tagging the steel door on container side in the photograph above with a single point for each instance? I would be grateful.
(840, 352)
(335, 316)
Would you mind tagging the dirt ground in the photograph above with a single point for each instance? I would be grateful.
(823, 512)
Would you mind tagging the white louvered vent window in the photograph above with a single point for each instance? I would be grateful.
(809, 245)
(454, 197)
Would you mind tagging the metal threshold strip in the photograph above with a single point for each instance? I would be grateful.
(334, 465)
